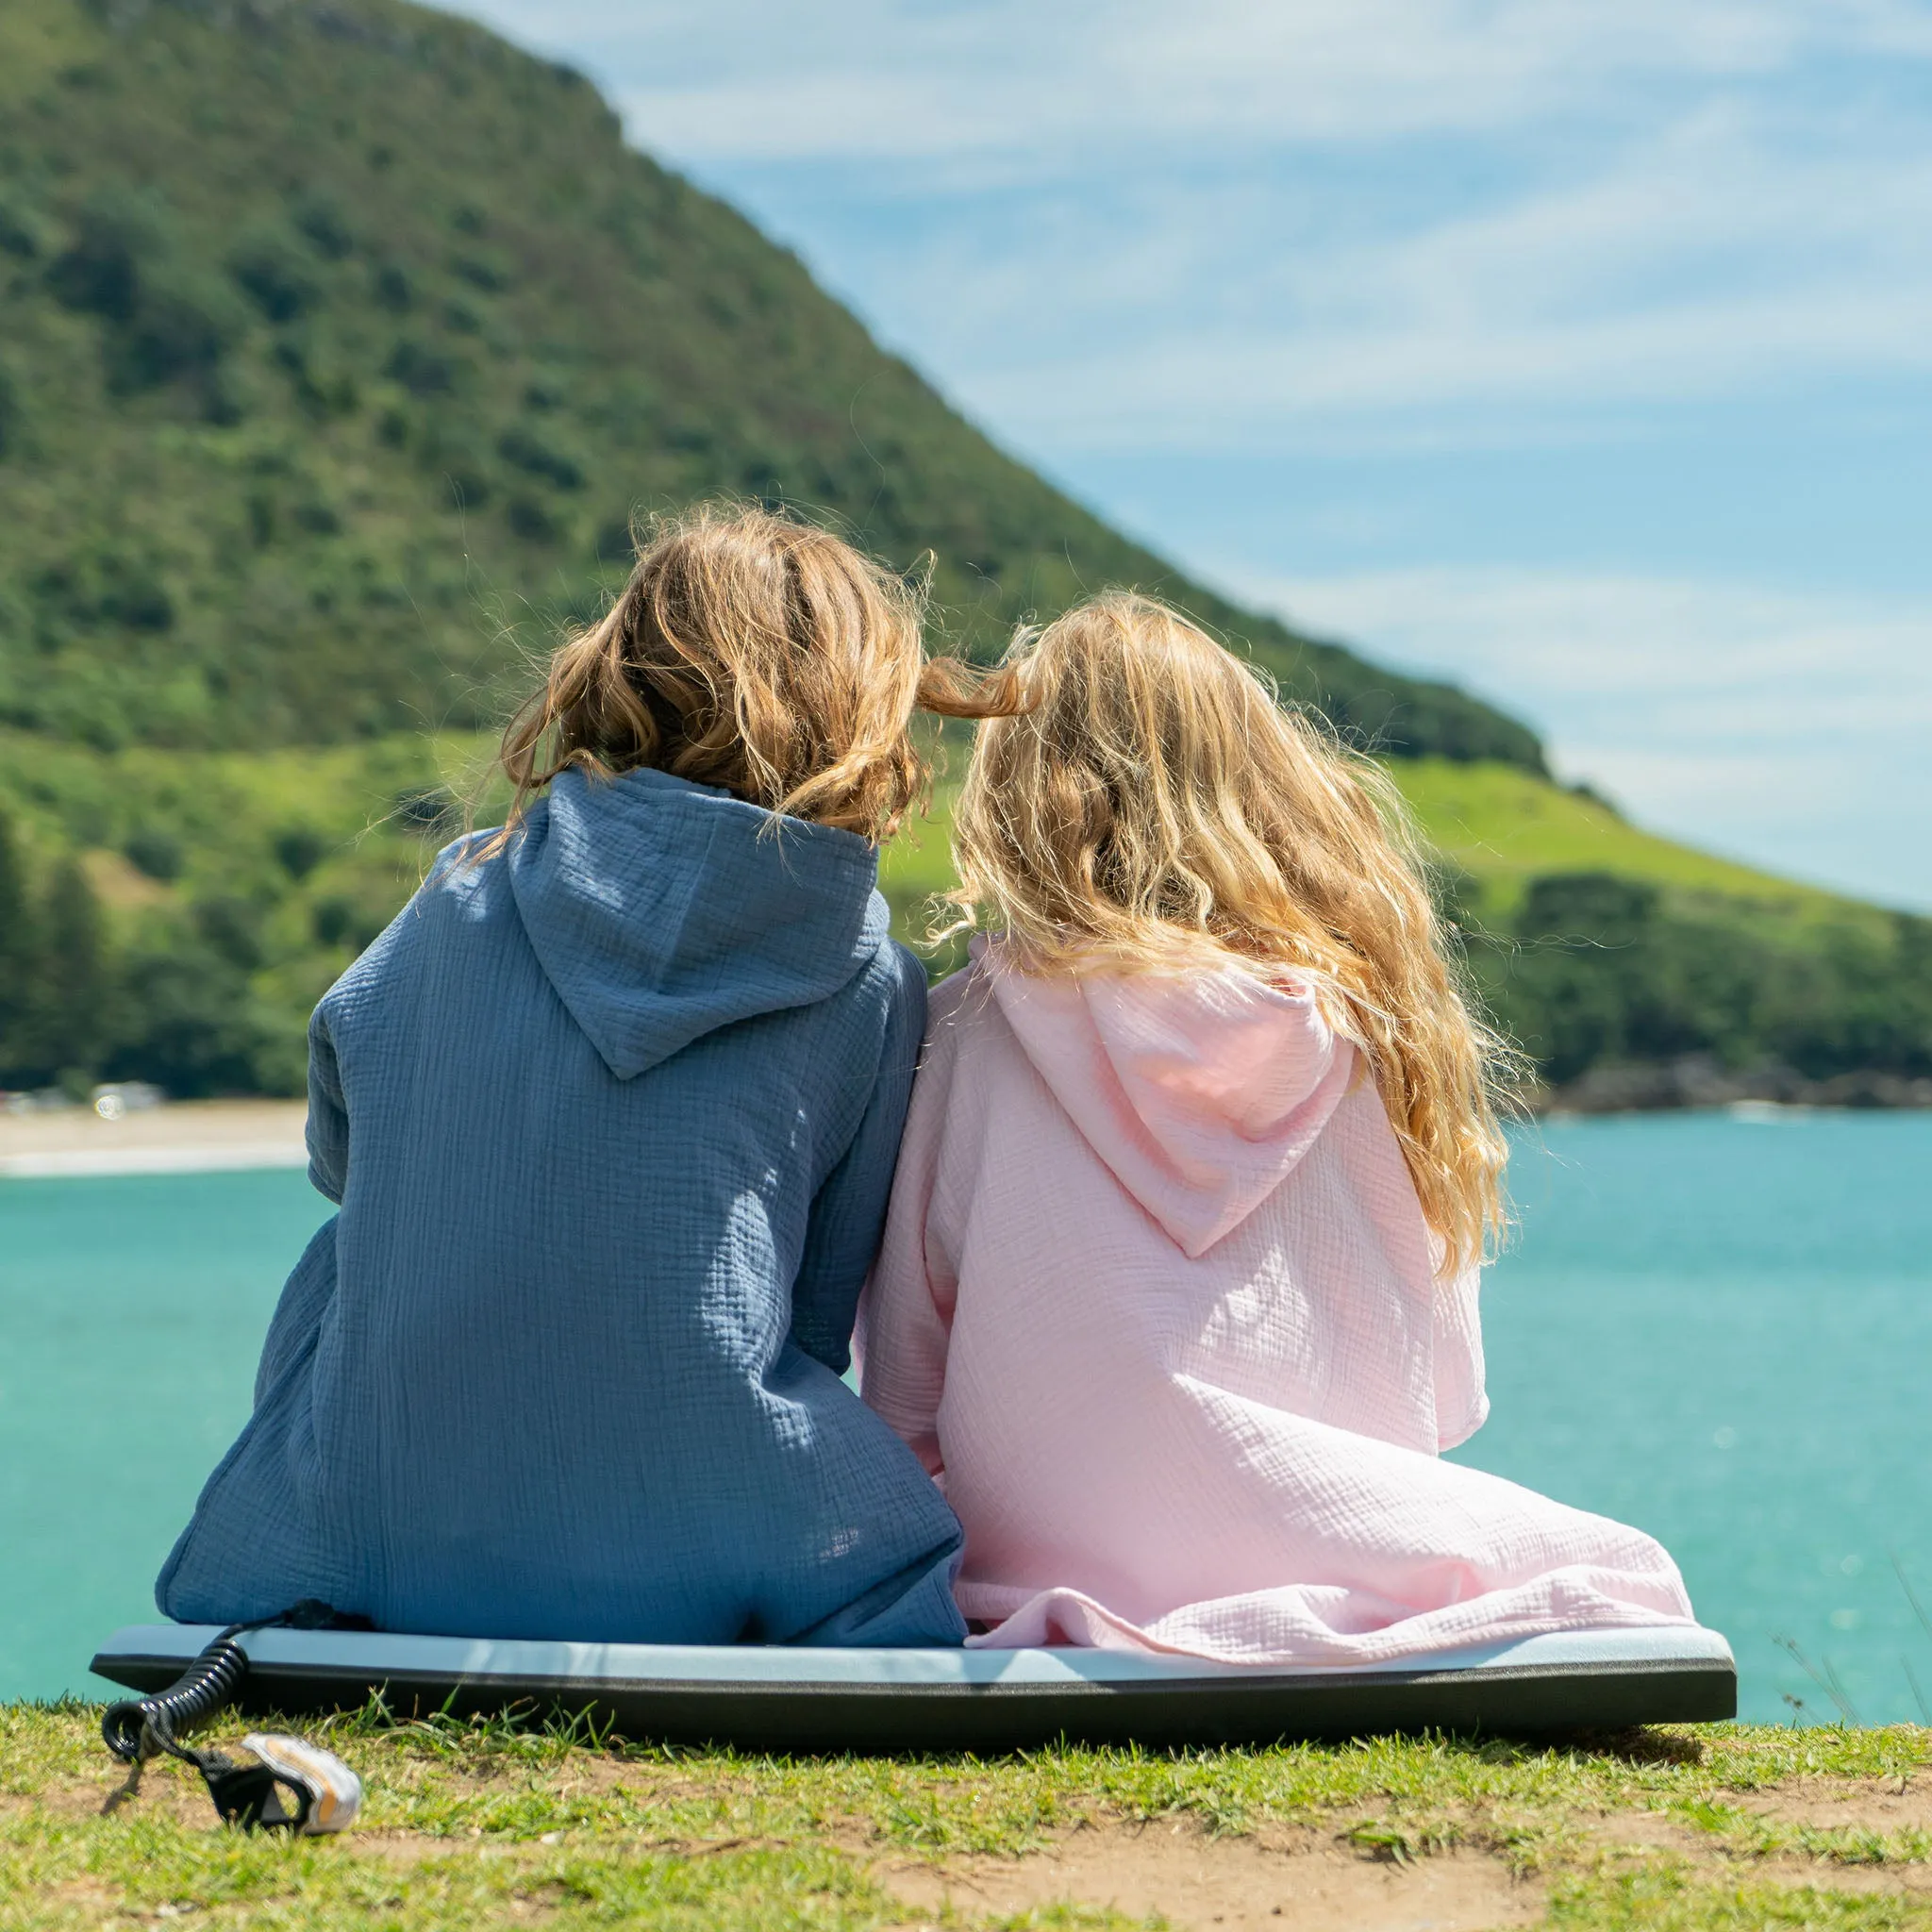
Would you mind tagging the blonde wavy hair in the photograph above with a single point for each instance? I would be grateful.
(1138, 800)
(748, 651)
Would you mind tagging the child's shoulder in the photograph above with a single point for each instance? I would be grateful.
(883, 1001)
(900, 968)
(960, 1006)
(893, 978)
(945, 1002)
(463, 890)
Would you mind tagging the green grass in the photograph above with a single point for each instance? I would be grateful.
(488, 1823)
(1505, 826)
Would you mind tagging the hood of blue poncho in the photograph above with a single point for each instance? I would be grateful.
(661, 911)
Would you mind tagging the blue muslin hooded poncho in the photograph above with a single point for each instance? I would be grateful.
(611, 1119)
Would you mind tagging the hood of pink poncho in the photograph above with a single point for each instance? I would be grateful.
(1200, 1093)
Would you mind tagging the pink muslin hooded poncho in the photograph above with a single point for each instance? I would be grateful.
(1157, 1306)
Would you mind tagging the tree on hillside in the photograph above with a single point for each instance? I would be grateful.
(55, 978)
(19, 954)
(72, 1023)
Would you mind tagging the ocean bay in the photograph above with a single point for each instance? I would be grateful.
(1717, 1328)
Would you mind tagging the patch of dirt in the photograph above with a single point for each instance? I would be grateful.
(1635, 1833)
(1833, 1804)
(88, 1901)
(1652, 1831)
(1307, 1884)
(406, 1848)
(183, 1798)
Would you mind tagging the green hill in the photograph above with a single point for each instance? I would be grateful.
(340, 343)
(338, 338)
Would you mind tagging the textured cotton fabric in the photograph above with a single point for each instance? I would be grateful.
(611, 1120)
(1157, 1306)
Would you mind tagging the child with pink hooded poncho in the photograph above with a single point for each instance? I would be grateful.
(1159, 1303)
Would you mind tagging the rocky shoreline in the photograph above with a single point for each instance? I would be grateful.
(1695, 1081)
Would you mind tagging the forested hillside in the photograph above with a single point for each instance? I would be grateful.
(341, 343)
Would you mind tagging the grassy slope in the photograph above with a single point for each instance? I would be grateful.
(1744, 983)
(332, 338)
(1682, 1831)
(1506, 829)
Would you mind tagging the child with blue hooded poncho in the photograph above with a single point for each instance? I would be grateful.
(611, 1113)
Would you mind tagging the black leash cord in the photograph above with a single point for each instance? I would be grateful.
(136, 1730)
(138, 1727)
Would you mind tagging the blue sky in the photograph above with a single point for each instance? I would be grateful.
(1580, 350)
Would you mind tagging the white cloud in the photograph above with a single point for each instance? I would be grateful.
(1716, 256)
(875, 78)
(1118, 223)
(1788, 730)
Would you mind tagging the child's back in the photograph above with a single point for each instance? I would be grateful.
(1159, 1301)
(611, 1113)
(1157, 1305)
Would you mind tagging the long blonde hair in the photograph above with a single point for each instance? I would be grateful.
(748, 651)
(1138, 801)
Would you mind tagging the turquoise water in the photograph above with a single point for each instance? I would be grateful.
(131, 1313)
(1718, 1329)
(1722, 1331)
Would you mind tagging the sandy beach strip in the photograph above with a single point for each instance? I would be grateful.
(187, 1137)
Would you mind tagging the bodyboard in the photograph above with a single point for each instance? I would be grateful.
(783, 1699)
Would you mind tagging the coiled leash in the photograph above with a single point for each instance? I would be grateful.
(294, 1787)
